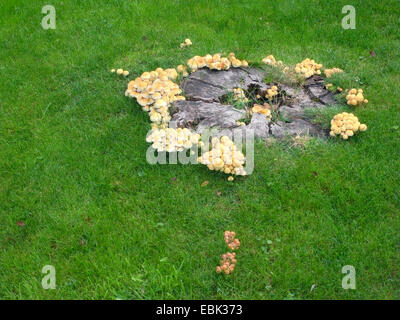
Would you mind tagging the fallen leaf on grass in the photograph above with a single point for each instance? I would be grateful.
(205, 183)
(20, 223)
(372, 54)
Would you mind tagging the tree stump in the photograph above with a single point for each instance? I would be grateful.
(204, 108)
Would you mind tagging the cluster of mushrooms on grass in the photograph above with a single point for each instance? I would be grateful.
(230, 95)
(225, 93)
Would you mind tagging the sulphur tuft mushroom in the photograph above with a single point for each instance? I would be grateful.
(172, 140)
(239, 95)
(155, 91)
(356, 97)
(308, 67)
(182, 70)
(264, 109)
(186, 43)
(224, 157)
(216, 62)
(272, 92)
(346, 125)
(330, 72)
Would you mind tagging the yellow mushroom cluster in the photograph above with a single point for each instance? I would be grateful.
(346, 125)
(272, 92)
(240, 123)
(155, 91)
(262, 109)
(216, 62)
(182, 70)
(330, 72)
(224, 156)
(270, 60)
(355, 97)
(186, 43)
(238, 95)
(171, 140)
(227, 264)
(230, 240)
(119, 72)
(308, 67)
(330, 85)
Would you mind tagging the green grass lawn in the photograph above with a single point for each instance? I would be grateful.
(73, 168)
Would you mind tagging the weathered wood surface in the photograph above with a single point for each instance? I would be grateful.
(210, 85)
(202, 115)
